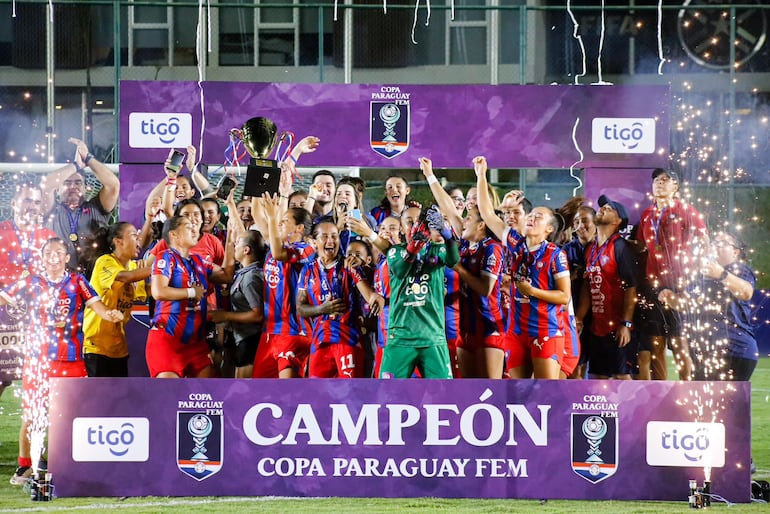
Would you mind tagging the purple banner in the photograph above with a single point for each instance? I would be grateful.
(380, 126)
(402, 438)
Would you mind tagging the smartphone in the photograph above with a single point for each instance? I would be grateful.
(225, 186)
(354, 213)
(175, 163)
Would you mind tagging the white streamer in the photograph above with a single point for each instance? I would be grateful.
(580, 152)
(335, 10)
(601, 48)
(201, 63)
(575, 28)
(660, 37)
(414, 23)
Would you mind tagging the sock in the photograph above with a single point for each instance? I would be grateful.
(25, 462)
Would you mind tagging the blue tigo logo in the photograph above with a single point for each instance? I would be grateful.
(623, 135)
(110, 439)
(159, 130)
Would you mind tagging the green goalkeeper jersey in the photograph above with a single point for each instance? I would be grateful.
(416, 315)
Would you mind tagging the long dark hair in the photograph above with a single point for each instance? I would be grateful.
(102, 243)
(384, 203)
(190, 201)
(171, 224)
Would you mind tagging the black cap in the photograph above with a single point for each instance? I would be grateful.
(660, 171)
(617, 207)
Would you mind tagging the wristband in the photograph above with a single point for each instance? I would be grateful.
(88, 158)
(78, 169)
(190, 293)
(432, 180)
(171, 181)
(283, 196)
(627, 324)
(373, 237)
(357, 275)
(293, 159)
(723, 275)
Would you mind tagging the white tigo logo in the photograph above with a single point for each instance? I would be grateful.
(110, 439)
(623, 135)
(682, 444)
(159, 130)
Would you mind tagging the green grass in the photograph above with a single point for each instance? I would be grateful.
(12, 499)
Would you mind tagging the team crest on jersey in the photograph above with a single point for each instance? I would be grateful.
(389, 127)
(594, 445)
(162, 264)
(199, 442)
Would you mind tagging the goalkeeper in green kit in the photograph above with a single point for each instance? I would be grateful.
(416, 333)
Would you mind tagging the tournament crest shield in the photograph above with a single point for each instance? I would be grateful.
(199, 444)
(389, 128)
(594, 446)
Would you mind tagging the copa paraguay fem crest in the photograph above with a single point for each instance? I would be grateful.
(389, 123)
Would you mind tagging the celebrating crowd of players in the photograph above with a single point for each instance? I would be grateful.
(306, 283)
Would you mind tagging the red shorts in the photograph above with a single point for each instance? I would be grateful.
(164, 353)
(471, 342)
(277, 352)
(453, 344)
(337, 360)
(377, 361)
(35, 384)
(569, 360)
(523, 348)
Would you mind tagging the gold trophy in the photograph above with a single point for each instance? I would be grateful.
(259, 136)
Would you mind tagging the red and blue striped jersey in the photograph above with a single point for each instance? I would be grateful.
(382, 288)
(379, 214)
(322, 284)
(55, 312)
(183, 319)
(281, 281)
(452, 303)
(541, 266)
(481, 316)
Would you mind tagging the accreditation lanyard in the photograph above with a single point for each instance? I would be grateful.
(331, 289)
(656, 224)
(73, 222)
(25, 247)
(597, 251)
(528, 259)
(189, 266)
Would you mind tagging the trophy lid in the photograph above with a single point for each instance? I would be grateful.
(259, 136)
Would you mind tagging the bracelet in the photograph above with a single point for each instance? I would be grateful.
(432, 180)
(282, 196)
(78, 169)
(88, 158)
(373, 237)
(171, 181)
(293, 159)
(190, 293)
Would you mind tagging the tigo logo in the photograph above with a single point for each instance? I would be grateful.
(159, 130)
(681, 444)
(623, 135)
(110, 439)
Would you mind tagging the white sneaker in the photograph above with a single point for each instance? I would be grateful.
(21, 475)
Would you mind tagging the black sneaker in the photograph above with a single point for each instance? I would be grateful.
(21, 475)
